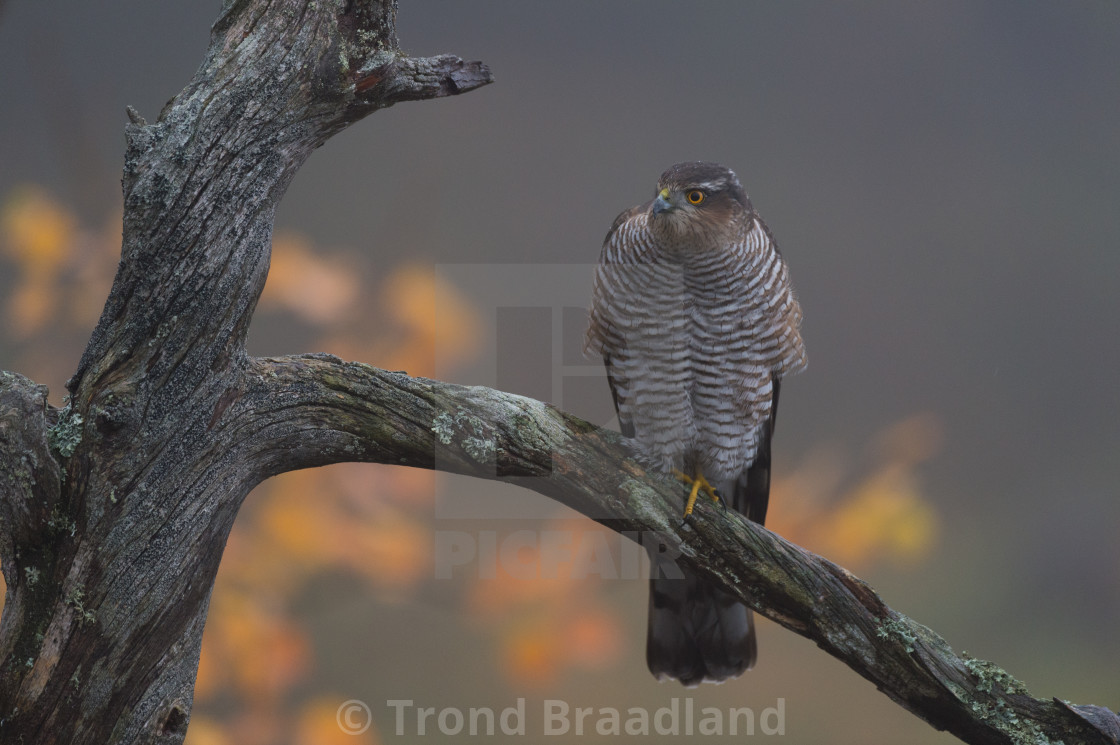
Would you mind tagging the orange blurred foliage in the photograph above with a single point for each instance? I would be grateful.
(881, 515)
(38, 236)
(38, 232)
(263, 651)
(63, 272)
(418, 321)
(332, 518)
(544, 607)
(206, 731)
(317, 289)
(318, 724)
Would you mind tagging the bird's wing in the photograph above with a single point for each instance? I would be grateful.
(621, 220)
(752, 491)
(603, 335)
(625, 424)
(780, 331)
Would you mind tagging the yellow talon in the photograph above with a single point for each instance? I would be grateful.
(698, 483)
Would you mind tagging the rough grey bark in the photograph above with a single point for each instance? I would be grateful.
(114, 510)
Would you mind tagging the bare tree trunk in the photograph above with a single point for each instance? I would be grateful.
(115, 509)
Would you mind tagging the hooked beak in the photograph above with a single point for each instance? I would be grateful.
(661, 203)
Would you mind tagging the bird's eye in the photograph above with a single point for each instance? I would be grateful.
(695, 196)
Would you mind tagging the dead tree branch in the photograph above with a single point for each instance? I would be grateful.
(322, 410)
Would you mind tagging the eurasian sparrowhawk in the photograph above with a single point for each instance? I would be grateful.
(696, 320)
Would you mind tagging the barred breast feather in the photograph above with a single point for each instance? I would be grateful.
(691, 340)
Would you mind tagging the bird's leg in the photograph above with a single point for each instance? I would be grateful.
(698, 483)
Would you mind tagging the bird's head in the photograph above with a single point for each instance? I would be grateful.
(698, 200)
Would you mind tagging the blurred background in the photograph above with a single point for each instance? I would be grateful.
(944, 182)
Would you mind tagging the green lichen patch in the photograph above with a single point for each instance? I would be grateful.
(444, 427)
(478, 439)
(61, 523)
(1019, 731)
(65, 436)
(992, 679)
(479, 448)
(989, 674)
(75, 599)
(899, 628)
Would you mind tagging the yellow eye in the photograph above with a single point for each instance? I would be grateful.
(695, 196)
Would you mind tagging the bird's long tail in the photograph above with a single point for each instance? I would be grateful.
(697, 631)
